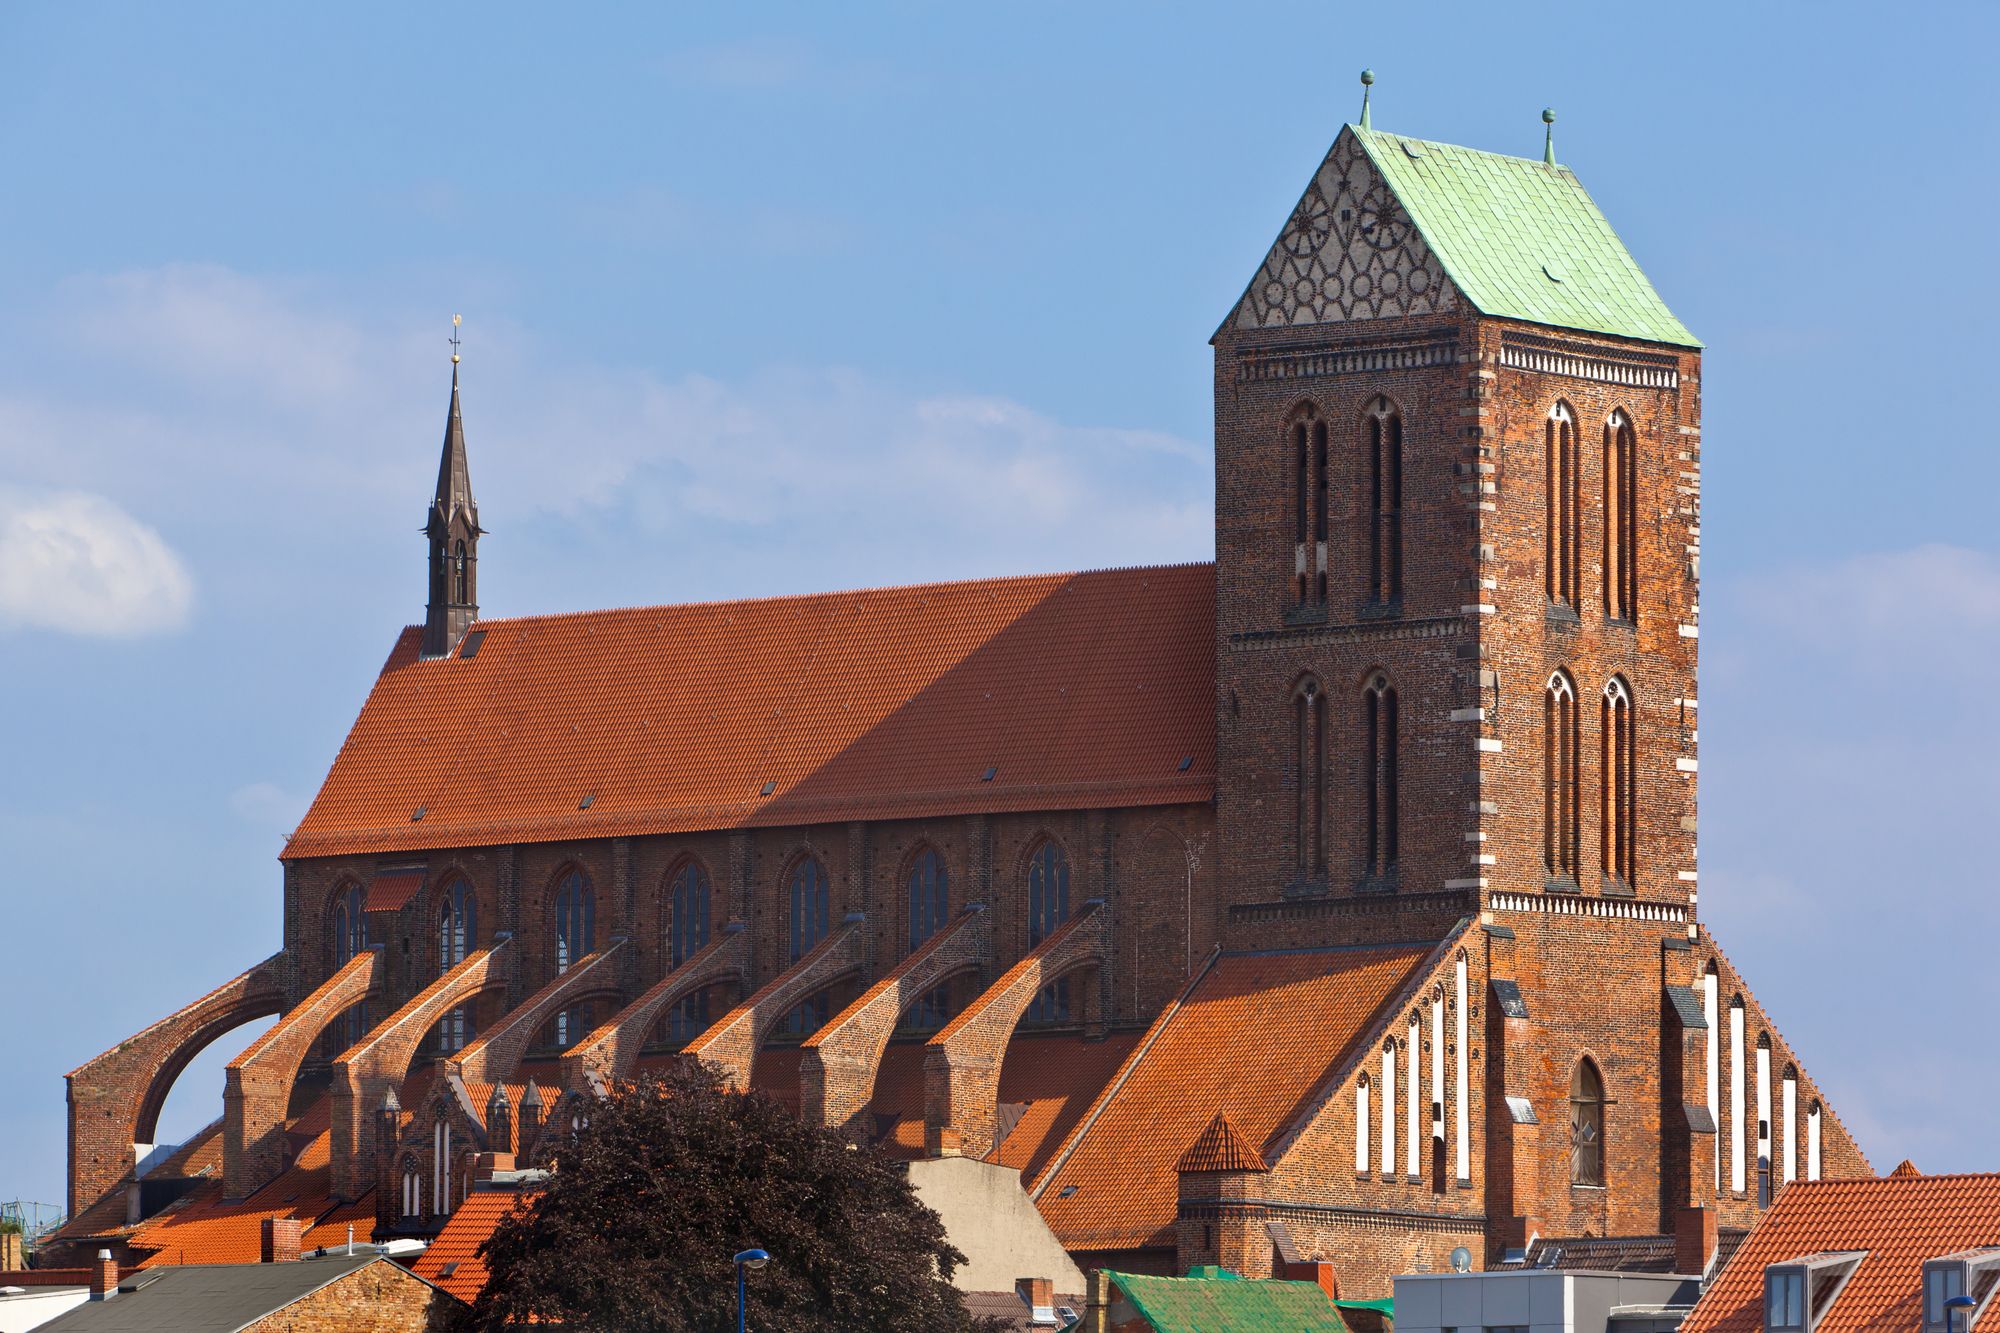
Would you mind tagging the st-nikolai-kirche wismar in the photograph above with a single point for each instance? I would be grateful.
(1332, 901)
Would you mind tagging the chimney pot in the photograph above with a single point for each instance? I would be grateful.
(280, 1237)
(1040, 1295)
(104, 1277)
(1694, 1240)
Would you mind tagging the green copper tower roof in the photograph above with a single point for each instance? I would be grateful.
(1522, 239)
(1214, 1300)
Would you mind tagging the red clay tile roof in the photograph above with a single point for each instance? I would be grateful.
(1221, 1148)
(1074, 690)
(1900, 1220)
(459, 1243)
(1255, 1038)
(391, 893)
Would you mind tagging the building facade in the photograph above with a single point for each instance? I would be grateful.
(1332, 902)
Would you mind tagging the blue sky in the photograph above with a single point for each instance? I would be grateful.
(816, 296)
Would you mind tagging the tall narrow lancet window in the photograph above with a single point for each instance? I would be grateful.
(1381, 780)
(576, 927)
(460, 584)
(1048, 908)
(1361, 1126)
(457, 928)
(809, 922)
(413, 1189)
(1621, 522)
(1586, 1125)
(1309, 779)
(1385, 503)
(1561, 493)
(350, 937)
(1309, 521)
(688, 897)
(1618, 819)
(929, 895)
(1560, 825)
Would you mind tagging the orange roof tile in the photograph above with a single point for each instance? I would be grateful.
(457, 1246)
(1900, 1220)
(1254, 1039)
(1073, 690)
(392, 892)
(1221, 1148)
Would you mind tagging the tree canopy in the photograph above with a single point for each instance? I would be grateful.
(670, 1177)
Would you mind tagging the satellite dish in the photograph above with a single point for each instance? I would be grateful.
(1461, 1260)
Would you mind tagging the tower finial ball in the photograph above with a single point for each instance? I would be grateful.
(1367, 77)
(1548, 115)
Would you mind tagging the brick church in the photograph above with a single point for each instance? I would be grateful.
(1333, 901)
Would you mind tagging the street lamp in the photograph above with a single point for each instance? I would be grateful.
(747, 1259)
(1955, 1304)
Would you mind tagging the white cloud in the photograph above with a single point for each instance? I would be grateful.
(76, 562)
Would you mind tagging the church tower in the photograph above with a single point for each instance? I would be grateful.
(452, 527)
(1457, 536)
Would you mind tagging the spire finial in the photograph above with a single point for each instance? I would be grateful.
(454, 340)
(1367, 82)
(1549, 135)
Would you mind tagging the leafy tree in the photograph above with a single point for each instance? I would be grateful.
(638, 1226)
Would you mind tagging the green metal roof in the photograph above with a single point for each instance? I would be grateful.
(1214, 1300)
(1522, 239)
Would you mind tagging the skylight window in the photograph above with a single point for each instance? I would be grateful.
(1974, 1273)
(1799, 1293)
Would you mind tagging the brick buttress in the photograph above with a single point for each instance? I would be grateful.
(497, 1054)
(611, 1052)
(733, 1042)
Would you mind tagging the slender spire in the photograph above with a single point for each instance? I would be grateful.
(452, 527)
(1549, 136)
(1367, 83)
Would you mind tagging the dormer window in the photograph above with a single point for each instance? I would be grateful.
(1798, 1294)
(1973, 1273)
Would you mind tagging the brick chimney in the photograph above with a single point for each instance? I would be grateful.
(280, 1237)
(1694, 1240)
(13, 1257)
(104, 1277)
(1310, 1270)
(1040, 1295)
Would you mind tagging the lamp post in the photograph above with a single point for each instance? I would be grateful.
(747, 1259)
(1953, 1306)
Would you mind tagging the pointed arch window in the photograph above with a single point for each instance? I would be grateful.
(1619, 819)
(1560, 825)
(1309, 519)
(1586, 1125)
(1309, 779)
(1560, 496)
(413, 1188)
(1048, 908)
(1381, 778)
(457, 928)
(350, 936)
(928, 891)
(576, 929)
(810, 921)
(688, 900)
(1361, 1090)
(1621, 523)
(461, 579)
(1385, 502)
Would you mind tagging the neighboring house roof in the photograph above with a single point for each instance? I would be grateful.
(1213, 1300)
(1522, 239)
(207, 1298)
(1237, 1045)
(452, 1259)
(1603, 1254)
(1050, 692)
(1899, 1220)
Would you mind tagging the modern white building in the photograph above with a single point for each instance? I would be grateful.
(1543, 1301)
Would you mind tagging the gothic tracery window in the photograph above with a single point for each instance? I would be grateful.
(576, 928)
(1560, 824)
(1560, 496)
(1309, 778)
(1309, 518)
(1381, 778)
(810, 906)
(929, 901)
(1586, 1125)
(1619, 819)
(688, 899)
(1048, 908)
(350, 937)
(1385, 502)
(1621, 524)
(457, 928)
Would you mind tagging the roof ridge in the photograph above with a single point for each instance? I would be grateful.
(540, 617)
(1463, 148)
